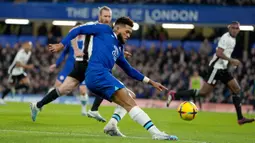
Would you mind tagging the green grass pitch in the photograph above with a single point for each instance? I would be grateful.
(59, 123)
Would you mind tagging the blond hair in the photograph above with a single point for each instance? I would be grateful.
(104, 8)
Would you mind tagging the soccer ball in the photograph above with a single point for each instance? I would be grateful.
(187, 110)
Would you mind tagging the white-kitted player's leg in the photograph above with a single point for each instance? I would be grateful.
(84, 99)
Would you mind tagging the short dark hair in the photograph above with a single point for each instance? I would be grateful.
(125, 21)
(78, 23)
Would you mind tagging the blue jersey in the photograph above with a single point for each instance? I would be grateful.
(69, 50)
(71, 57)
(70, 61)
(105, 51)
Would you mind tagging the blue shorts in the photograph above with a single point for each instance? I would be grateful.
(65, 72)
(62, 75)
(103, 83)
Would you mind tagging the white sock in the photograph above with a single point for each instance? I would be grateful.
(84, 100)
(119, 113)
(138, 115)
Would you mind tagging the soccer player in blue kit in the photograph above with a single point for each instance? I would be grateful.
(77, 75)
(108, 49)
(68, 67)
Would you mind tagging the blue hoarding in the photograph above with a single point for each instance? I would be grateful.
(140, 13)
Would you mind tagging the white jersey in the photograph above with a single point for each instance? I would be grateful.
(227, 43)
(21, 57)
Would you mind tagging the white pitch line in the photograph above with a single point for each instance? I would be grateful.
(78, 134)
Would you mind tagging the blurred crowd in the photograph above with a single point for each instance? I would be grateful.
(171, 66)
(40, 76)
(205, 2)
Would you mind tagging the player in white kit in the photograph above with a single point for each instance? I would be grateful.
(17, 76)
(218, 71)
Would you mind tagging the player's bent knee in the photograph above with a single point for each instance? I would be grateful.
(121, 98)
(60, 91)
(57, 83)
(203, 93)
(206, 89)
(28, 84)
(64, 90)
(131, 93)
(237, 91)
(68, 86)
(25, 81)
(129, 104)
(128, 107)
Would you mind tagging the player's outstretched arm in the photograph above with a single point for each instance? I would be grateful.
(220, 54)
(132, 72)
(60, 59)
(157, 85)
(19, 64)
(127, 54)
(62, 55)
(77, 51)
(55, 47)
(222, 45)
(85, 29)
